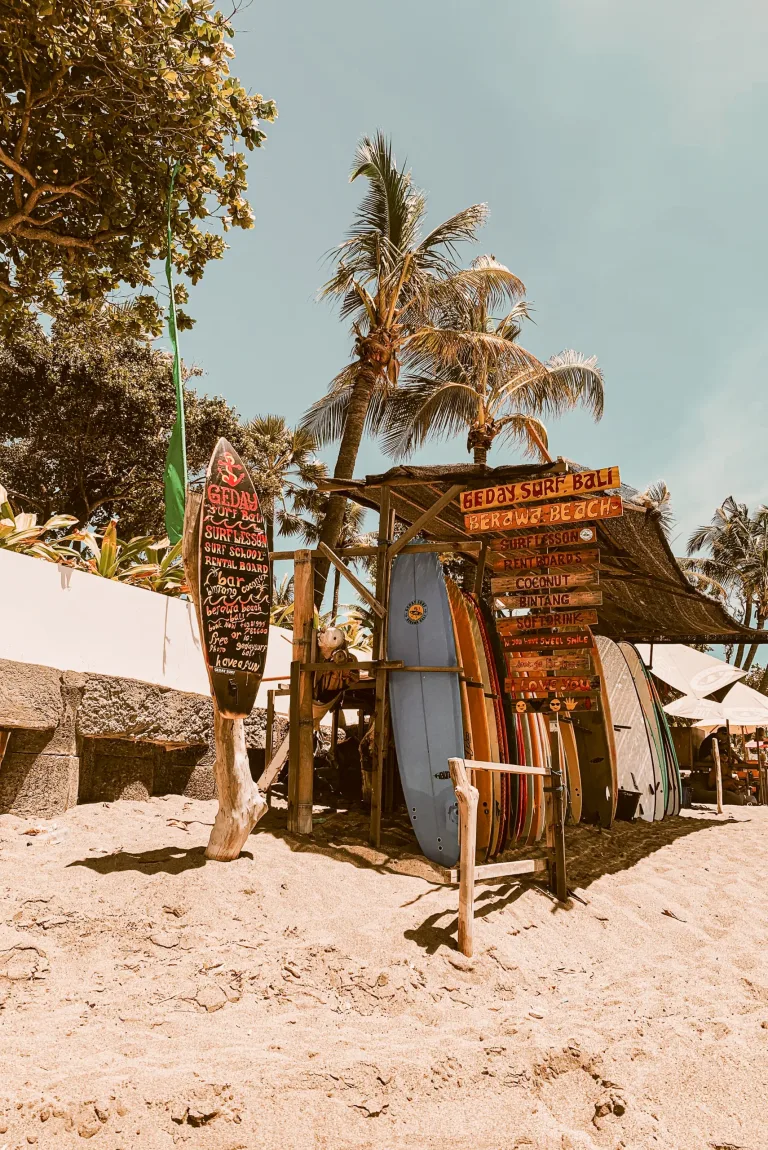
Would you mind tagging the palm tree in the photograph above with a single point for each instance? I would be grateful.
(487, 384)
(282, 601)
(737, 542)
(283, 462)
(385, 279)
(310, 508)
(658, 498)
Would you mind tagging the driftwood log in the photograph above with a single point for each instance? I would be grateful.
(241, 803)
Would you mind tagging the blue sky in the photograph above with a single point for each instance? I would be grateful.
(620, 147)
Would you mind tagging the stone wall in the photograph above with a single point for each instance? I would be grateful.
(97, 738)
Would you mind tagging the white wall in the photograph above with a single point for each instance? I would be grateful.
(75, 621)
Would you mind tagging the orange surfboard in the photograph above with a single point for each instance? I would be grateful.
(472, 690)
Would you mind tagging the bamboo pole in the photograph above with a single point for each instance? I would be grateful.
(718, 776)
(301, 764)
(241, 804)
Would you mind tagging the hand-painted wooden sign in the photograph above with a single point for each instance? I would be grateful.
(544, 643)
(587, 560)
(561, 620)
(547, 581)
(558, 705)
(536, 664)
(554, 684)
(542, 514)
(569, 537)
(547, 487)
(235, 588)
(553, 599)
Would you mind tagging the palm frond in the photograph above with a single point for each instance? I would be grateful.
(525, 430)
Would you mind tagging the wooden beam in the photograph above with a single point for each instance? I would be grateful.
(481, 568)
(301, 765)
(274, 766)
(503, 869)
(504, 768)
(556, 830)
(467, 797)
(424, 519)
(361, 588)
(380, 715)
(448, 547)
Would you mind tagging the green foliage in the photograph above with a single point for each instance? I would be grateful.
(283, 465)
(140, 560)
(98, 99)
(86, 420)
(477, 379)
(19, 531)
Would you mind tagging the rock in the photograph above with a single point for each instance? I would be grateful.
(211, 997)
(3, 1125)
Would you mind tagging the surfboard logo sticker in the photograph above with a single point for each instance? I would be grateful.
(416, 611)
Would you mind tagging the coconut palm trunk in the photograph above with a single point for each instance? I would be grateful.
(352, 436)
(385, 278)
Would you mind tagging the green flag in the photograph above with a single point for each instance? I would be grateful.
(175, 474)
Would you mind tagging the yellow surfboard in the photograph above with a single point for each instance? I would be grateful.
(573, 774)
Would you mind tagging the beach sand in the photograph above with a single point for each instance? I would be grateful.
(308, 997)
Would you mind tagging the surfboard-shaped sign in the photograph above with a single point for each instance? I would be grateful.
(235, 586)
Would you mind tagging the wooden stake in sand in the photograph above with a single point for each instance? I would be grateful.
(718, 776)
(241, 804)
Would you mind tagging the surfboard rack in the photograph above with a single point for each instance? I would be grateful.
(467, 873)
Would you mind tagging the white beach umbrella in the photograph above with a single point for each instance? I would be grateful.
(741, 707)
(693, 672)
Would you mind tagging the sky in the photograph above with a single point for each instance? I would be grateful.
(620, 147)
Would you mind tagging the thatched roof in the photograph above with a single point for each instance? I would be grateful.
(646, 597)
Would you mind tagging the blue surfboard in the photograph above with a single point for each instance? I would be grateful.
(426, 708)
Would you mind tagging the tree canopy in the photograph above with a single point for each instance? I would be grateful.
(98, 100)
(85, 425)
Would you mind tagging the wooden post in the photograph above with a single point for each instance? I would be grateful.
(466, 796)
(560, 879)
(301, 762)
(762, 788)
(718, 776)
(380, 715)
(480, 572)
(241, 804)
(269, 733)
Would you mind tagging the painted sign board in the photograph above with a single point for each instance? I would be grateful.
(546, 581)
(578, 483)
(545, 643)
(558, 705)
(568, 537)
(544, 514)
(554, 684)
(553, 599)
(537, 664)
(562, 620)
(235, 584)
(586, 560)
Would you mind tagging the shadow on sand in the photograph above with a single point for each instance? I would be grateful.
(165, 860)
